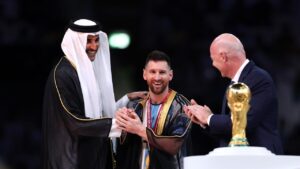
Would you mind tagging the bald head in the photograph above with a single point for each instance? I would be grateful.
(227, 53)
(229, 43)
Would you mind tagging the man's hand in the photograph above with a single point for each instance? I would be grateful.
(137, 95)
(197, 113)
(129, 121)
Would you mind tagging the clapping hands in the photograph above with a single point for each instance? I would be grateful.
(197, 113)
(130, 122)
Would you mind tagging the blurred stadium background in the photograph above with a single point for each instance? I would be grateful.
(31, 32)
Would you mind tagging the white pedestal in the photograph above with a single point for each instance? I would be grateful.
(240, 151)
(242, 158)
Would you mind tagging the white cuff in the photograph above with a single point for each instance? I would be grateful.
(114, 131)
(122, 102)
(208, 119)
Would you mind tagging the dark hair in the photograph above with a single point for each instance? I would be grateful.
(157, 55)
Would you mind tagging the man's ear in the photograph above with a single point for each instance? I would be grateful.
(223, 56)
(144, 74)
(171, 74)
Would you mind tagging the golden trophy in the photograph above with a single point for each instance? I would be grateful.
(238, 97)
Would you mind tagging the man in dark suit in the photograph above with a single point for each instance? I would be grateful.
(228, 56)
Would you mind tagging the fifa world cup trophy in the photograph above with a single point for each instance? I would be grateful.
(238, 98)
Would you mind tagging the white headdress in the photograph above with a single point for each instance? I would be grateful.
(95, 77)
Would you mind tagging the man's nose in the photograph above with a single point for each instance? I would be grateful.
(157, 76)
(94, 45)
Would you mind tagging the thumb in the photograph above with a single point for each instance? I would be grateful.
(193, 102)
(207, 108)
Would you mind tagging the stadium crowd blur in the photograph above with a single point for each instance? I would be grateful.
(31, 33)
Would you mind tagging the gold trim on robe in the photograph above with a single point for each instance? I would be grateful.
(164, 112)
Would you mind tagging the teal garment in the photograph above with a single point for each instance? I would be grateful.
(154, 113)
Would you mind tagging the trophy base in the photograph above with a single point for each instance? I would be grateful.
(237, 142)
(240, 150)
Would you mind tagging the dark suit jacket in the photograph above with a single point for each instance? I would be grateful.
(262, 119)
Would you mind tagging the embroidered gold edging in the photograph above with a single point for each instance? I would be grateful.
(143, 102)
(176, 136)
(71, 62)
(57, 90)
(164, 112)
(113, 159)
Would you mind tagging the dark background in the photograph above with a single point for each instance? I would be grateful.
(31, 33)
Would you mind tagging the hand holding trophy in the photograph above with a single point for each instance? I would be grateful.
(238, 97)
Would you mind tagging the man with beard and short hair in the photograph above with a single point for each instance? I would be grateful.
(155, 129)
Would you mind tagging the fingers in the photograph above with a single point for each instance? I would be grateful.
(140, 94)
(127, 114)
(132, 114)
(144, 94)
(122, 117)
(190, 110)
(187, 111)
(120, 120)
(137, 95)
(207, 108)
(126, 117)
(197, 121)
(193, 102)
(120, 113)
(128, 121)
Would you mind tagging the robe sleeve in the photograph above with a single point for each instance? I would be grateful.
(169, 144)
(114, 131)
(68, 90)
(122, 102)
(176, 128)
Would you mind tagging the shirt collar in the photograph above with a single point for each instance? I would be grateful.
(238, 73)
